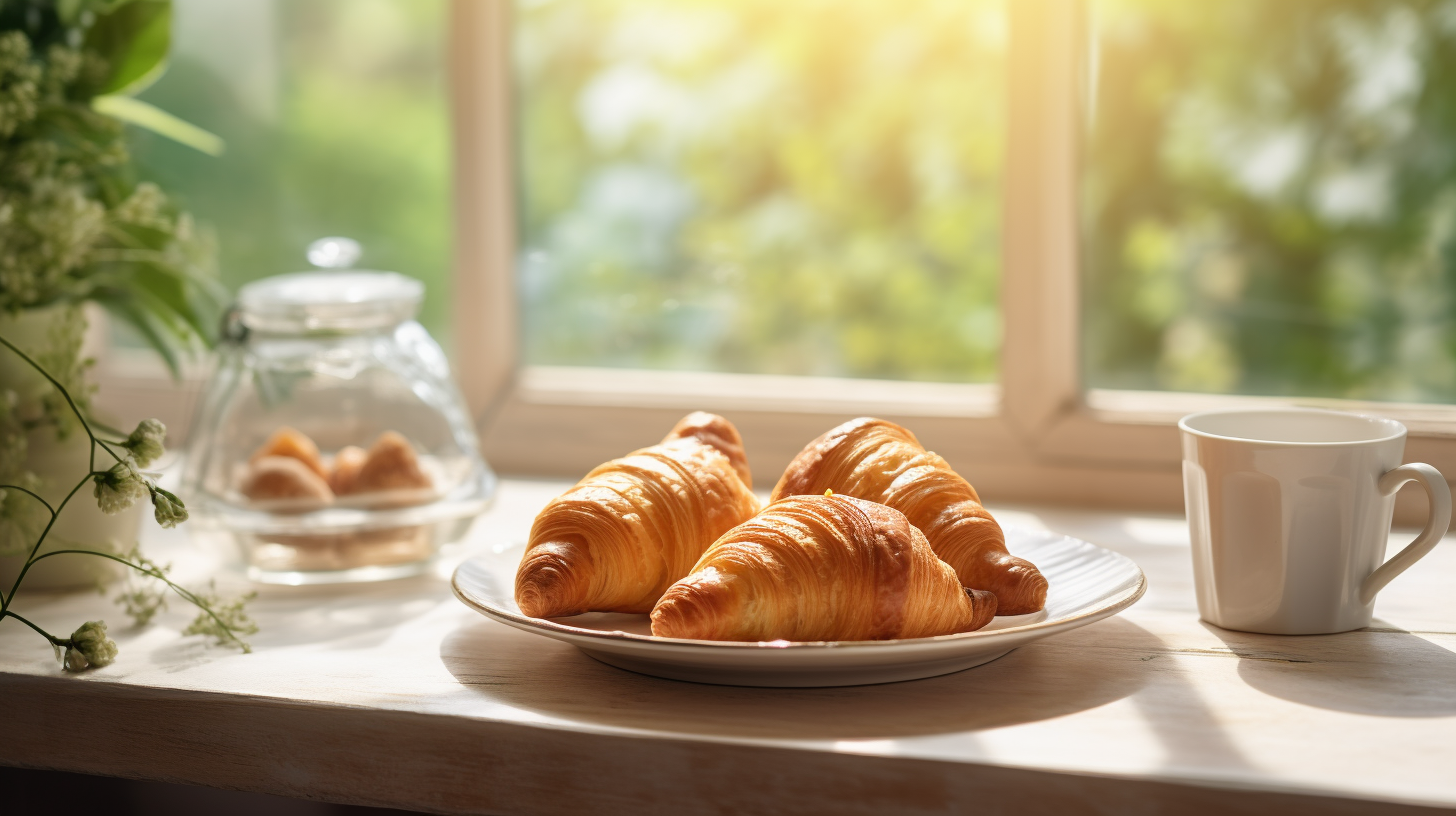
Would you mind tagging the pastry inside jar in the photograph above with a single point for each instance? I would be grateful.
(288, 474)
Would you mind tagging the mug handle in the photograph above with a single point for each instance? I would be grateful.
(1436, 524)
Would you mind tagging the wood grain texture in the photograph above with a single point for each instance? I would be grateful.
(449, 765)
(395, 694)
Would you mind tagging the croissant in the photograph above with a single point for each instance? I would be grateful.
(295, 444)
(389, 464)
(284, 477)
(634, 525)
(880, 461)
(347, 464)
(821, 568)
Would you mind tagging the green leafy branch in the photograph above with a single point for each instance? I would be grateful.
(115, 489)
(76, 223)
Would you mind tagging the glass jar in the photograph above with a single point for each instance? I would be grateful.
(331, 443)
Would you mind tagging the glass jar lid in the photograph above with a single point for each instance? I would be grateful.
(330, 299)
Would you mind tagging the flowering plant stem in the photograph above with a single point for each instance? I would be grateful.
(116, 488)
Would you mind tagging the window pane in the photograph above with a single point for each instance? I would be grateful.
(1270, 198)
(336, 122)
(766, 187)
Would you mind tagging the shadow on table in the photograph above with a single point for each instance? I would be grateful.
(1095, 666)
(326, 616)
(345, 615)
(1383, 670)
(57, 793)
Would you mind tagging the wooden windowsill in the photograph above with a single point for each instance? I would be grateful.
(395, 694)
(686, 390)
(1113, 449)
(1429, 420)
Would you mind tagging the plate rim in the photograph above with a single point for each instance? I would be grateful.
(1106, 608)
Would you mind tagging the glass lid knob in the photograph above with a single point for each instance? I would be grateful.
(334, 253)
(333, 297)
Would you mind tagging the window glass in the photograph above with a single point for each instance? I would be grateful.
(807, 188)
(335, 118)
(1269, 198)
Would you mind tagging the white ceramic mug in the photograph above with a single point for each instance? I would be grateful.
(1289, 512)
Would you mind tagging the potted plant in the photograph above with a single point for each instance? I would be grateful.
(81, 236)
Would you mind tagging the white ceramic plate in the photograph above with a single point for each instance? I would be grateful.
(1087, 584)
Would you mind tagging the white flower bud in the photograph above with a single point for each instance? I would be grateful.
(93, 646)
(167, 508)
(119, 488)
(145, 443)
(75, 661)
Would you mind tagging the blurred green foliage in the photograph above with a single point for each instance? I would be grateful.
(336, 120)
(1269, 198)
(76, 224)
(759, 186)
(1269, 193)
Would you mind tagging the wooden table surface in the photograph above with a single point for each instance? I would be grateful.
(396, 694)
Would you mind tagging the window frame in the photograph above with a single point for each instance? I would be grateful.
(1039, 435)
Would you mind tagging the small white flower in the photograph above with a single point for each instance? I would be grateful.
(145, 443)
(90, 647)
(119, 488)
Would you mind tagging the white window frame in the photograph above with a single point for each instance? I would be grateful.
(1037, 436)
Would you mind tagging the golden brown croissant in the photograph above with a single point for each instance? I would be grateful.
(389, 464)
(634, 525)
(284, 477)
(882, 462)
(347, 463)
(821, 568)
(287, 441)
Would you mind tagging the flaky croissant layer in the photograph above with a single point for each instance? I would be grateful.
(811, 568)
(880, 461)
(634, 525)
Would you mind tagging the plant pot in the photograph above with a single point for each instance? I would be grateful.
(82, 525)
(60, 463)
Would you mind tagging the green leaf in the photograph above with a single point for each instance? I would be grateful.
(126, 309)
(141, 114)
(173, 294)
(134, 38)
(189, 299)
